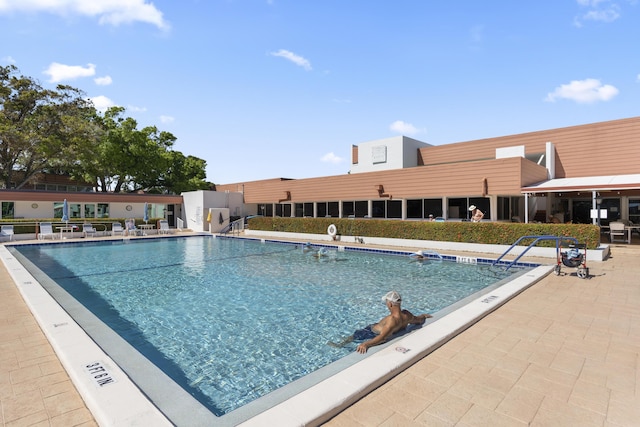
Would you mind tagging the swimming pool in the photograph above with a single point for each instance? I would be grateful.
(262, 313)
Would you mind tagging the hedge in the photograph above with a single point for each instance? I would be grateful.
(495, 233)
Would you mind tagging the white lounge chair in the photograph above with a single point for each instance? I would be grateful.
(89, 230)
(46, 230)
(164, 227)
(7, 231)
(116, 228)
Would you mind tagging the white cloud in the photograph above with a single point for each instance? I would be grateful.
(112, 12)
(103, 81)
(585, 91)
(403, 128)
(296, 59)
(332, 158)
(8, 60)
(102, 103)
(167, 119)
(135, 109)
(59, 72)
(598, 10)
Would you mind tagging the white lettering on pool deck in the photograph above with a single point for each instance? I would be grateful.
(99, 374)
(488, 299)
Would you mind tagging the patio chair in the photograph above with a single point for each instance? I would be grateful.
(89, 230)
(116, 228)
(164, 227)
(617, 231)
(130, 226)
(7, 231)
(46, 230)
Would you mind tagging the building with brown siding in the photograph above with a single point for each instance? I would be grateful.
(566, 173)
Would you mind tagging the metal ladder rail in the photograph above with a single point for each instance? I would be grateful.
(558, 239)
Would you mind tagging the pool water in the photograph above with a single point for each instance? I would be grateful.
(231, 320)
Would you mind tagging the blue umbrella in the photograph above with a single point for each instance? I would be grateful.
(65, 211)
(146, 213)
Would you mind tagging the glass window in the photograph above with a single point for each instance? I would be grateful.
(362, 208)
(75, 210)
(414, 209)
(307, 210)
(509, 209)
(8, 210)
(283, 210)
(89, 210)
(333, 209)
(57, 209)
(613, 210)
(322, 209)
(299, 210)
(347, 209)
(394, 208)
(457, 208)
(432, 207)
(378, 209)
(634, 210)
(481, 203)
(103, 210)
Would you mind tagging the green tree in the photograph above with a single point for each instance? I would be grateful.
(185, 173)
(38, 127)
(128, 159)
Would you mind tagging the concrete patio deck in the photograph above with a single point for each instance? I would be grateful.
(564, 352)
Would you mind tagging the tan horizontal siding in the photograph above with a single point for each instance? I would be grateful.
(419, 182)
(580, 150)
(458, 170)
(589, 150)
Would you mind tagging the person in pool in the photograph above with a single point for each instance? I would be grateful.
(378, 333)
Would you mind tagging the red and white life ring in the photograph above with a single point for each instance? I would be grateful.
(332, 230)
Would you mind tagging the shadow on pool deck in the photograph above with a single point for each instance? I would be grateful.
(564, 352)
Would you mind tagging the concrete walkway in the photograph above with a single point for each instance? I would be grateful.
(563, 353)
(35, 390)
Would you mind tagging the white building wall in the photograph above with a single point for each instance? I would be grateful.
(397, 152)
(198, 203)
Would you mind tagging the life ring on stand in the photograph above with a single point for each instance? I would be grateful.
(332, 231)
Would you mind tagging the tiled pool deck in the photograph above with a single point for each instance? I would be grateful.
(563, 352)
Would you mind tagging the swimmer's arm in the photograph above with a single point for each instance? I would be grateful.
(384, 333)
(417, 320)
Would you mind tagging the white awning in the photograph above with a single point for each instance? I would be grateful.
(586, 183)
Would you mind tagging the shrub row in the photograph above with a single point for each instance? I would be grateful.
(495, 233)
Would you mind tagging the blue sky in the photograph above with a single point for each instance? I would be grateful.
(282, 88)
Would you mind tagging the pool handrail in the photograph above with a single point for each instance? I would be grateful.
(558, 239)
